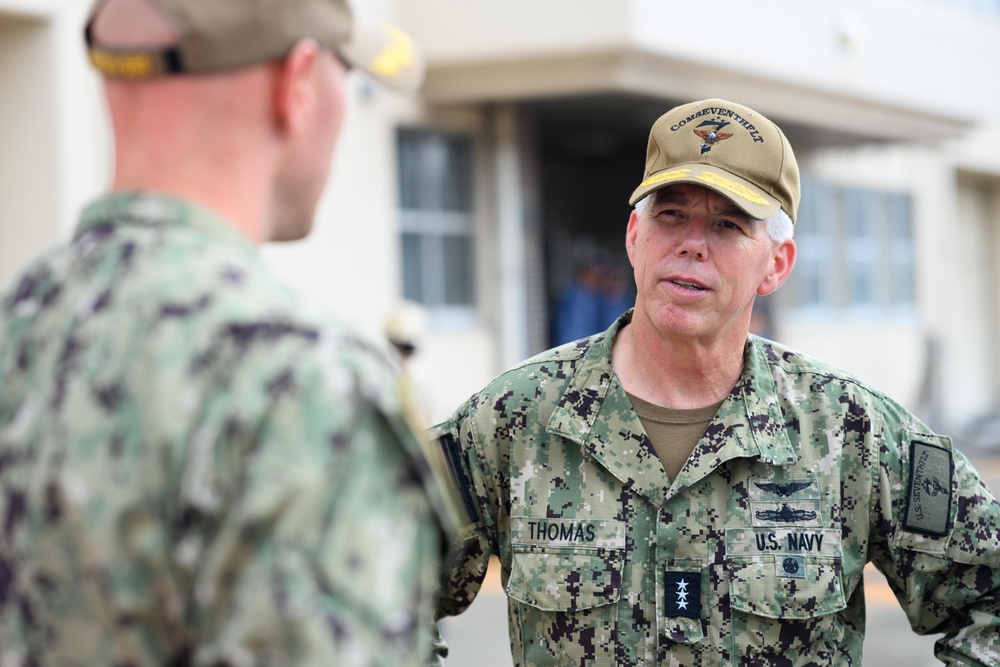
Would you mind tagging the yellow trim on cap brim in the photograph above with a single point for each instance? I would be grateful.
(752, 200)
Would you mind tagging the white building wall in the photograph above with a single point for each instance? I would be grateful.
(969, 286)
(81, 127)
(29, 189)
(53, 141)
(941, 359)
(887, 349)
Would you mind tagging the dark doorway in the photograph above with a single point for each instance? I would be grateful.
(591, 152)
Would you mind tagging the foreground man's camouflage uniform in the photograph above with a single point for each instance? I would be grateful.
(193, 465)
(752, 556)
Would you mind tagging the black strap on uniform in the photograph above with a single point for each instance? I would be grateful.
(459, 479)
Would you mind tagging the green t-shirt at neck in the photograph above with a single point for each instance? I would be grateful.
(673, 433)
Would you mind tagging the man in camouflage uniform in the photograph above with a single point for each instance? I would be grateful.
(195, 467)
(674, 491)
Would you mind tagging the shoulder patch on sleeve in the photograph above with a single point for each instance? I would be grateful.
(929, 494)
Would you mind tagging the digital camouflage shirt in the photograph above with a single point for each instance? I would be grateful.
(752, 556)
(196, 470)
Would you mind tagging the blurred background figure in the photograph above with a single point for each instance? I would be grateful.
(618, 293)
(405, 328)
(593, 300)
(408, 332)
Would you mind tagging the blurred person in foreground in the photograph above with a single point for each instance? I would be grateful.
(676, 491)
(196, 468)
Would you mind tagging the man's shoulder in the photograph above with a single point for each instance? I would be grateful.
(567, 353)
(198, 279)
(533, 387)
(804, 377)
(555, 365)
(181, 302)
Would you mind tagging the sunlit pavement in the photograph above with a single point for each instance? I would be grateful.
(478, 638)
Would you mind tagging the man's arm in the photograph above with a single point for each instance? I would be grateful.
(474, 496)
(937, 540)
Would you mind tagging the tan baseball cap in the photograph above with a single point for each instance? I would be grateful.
(219, 35)
(725, 147)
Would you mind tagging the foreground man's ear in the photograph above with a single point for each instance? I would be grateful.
(294, 92)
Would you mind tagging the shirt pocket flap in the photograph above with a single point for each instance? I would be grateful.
(566, 580)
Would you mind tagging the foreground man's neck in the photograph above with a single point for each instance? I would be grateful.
(676, 374)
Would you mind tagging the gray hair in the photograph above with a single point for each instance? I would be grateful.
(779, 226)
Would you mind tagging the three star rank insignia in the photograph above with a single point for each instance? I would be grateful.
(682, 594)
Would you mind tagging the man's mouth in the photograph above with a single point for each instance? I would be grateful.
(688, 285)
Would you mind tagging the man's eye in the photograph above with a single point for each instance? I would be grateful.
(729, 224)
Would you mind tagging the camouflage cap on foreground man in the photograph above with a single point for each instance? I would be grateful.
(195, 467)
(675, 491)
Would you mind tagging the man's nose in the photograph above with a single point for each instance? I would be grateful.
(694, 240)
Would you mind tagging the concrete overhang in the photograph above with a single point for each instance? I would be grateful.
(648, 75)
(825, 71)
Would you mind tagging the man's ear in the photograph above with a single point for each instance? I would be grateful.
(294, 91)
(630, 236)
(782, 261)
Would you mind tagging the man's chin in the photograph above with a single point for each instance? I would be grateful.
(672, 322)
